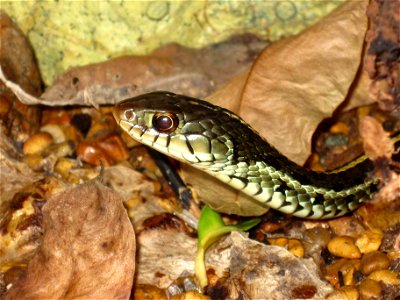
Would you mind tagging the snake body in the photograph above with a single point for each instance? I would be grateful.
(220, 143)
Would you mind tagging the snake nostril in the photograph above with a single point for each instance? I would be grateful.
(128, 114)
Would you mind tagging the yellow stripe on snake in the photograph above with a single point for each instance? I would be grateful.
(220, 143)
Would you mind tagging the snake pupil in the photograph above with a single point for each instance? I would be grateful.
(165, 122)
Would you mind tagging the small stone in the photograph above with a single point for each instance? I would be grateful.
(340, 127)
(386, 276)
(282, 242)
(93, 155)
(318, 236)
(37, 143)
(5, 107)
(337, 139)
(348, 293)
(192, 295)
(63, 166)
(34, 161)
(55, 131)
(369, 241)
(393, 255)
(346, 267)
(296, 248)
(370, 289)
(374, 261)
(344, 246)
(114, 148)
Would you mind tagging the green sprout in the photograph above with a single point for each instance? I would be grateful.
(211, 228)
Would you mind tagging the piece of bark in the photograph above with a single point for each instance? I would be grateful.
(88, 248)
(382, 59)
(18, 63)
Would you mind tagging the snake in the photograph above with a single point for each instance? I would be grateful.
(217, 141)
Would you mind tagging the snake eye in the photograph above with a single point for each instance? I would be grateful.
(128, 114)
(165, 122)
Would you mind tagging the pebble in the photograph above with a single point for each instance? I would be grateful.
(114, 147)
(93, 155)
(344, 246)
(393, 255)
(37, 143)
(347, 267)
(281, 242)
(192, 295)
(374, 261)
(370, 289)
(296, 248)
(318, 235)
(55, 131)
(369, 241)
(5, 107)
(336, 139)
(340, 127)
(386, 276)
(34, 161)
(347, 292)
(63, 166)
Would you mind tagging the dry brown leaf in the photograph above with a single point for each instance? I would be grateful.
(294, 84)
(252, 270)
(88, 248)
(376, 140)
(172, 67)
(298, 82)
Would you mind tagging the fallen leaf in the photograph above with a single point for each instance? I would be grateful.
(265, 270)
(376, 141)
(172, 67)
(88, 248)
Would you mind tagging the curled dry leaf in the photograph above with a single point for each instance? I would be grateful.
(172, 67)
(294, 84)
(88, 248)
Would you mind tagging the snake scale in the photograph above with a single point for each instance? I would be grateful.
(220, 143)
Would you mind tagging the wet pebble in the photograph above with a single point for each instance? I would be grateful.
(55, 131)
(374, 261)
(344, 246)
(336, 139)
(296, 248)
(37, 143)
(386, 276)
(369, 241)
(370, 289)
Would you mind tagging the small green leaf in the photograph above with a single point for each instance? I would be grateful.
(211, 227)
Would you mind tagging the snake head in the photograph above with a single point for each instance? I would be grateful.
(184, 128)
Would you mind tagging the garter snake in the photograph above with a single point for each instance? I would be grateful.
(220, 143)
